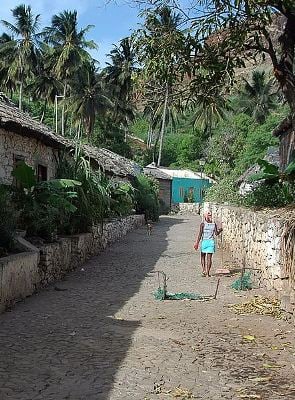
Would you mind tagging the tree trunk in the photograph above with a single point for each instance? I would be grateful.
(284, 71)
(63, 110)
(79, 129)
(20, 99)
(163, 125)
(43, 111)
(149, 137)
(55, 114)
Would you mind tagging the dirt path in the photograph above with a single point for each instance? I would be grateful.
(104, 337)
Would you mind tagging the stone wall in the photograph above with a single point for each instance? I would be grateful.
(32, 151)
(254, 240)
(22, 274)
(187, 208)
(57, 259)
(18, 277)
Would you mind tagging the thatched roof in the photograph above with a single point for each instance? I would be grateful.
(112, 162)
(14, 120)
(156, 172)
(283, 127)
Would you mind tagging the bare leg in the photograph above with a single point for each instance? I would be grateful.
(203, 263)
(209, 263)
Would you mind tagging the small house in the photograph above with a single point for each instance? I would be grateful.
(187, 186)
(24, 139)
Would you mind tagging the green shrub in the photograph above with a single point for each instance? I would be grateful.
(45, 207)
(271, 195)
(147, 197)
(163, 208)
(122, 198)
(93, 196)
(224, 191)
(7, 221)
(93, 201)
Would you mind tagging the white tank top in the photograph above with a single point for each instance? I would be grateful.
(209, 230)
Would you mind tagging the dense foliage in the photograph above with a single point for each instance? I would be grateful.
(7, 220)
(146, 196)
(72, 204)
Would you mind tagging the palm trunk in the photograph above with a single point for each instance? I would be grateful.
(163, 125)
(43, 111)
(79, 130)
(20, 99)
(55, 114)
(63, 111)
(149, 138)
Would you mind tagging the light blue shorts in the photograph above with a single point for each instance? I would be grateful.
(208, 246)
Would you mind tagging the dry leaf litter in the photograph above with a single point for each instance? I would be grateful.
(259, 305)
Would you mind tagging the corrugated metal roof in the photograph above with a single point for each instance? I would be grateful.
(184, 173)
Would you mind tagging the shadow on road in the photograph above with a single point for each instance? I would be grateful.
(69, 343)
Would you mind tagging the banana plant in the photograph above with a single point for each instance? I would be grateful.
(271, 173)
(45, 207)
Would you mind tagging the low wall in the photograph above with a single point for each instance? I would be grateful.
(254, 239)
(57, 259)
(187, 208)
(18, 277)
(23, 273)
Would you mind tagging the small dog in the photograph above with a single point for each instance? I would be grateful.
(149, 227)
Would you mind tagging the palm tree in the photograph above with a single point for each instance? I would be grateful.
(45, 85)
(4, 38)
(258, 97)
(208, 107)
(159, 46)
(20, 51)
(69, 48)
(7, 83)
(119, 77)
(154, 112)
(87, 98)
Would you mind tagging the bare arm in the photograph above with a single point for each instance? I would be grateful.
(217, 230)
(196, 245)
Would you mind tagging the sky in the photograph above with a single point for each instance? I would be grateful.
(112, 19)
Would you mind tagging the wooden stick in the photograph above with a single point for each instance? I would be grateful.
(216, 291)
(242, 273)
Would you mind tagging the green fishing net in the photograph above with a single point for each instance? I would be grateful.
(243, 283)
(160, 294)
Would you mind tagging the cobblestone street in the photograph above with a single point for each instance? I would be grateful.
(100, 335)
